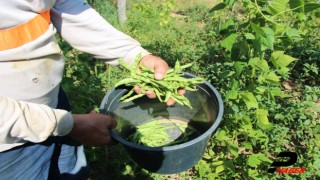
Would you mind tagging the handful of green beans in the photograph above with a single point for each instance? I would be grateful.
(155, 133)
(164, 89)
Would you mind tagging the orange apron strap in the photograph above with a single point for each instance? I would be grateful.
(26, 32)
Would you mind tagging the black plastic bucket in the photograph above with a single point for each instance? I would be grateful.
(205, 116)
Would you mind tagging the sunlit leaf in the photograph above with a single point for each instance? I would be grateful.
(248, 145)
(272, 78)
(261, 64)
(268, 39)
(249, 36)
(235, 84)
(221, 135)
(276, 91)
(264, 35)
(277, 7)
(219, 169)
(229, 41)
(255, 160)
(280, 60)
(249, 100)
(262, 116)
(234, 149)
(232, 94)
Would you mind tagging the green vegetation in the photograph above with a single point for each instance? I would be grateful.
(262, 56)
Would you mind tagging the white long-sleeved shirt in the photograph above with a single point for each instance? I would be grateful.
(30, 74)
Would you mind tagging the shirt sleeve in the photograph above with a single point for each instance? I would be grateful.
(21, 121)
(85, 30)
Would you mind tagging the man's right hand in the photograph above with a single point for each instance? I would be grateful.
(93, 129)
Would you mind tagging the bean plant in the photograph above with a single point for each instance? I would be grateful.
(256, 37)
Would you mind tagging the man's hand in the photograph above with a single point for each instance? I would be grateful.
(93, 129)
(160, 68)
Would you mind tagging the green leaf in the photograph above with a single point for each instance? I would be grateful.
(217, 163)
(235, 84)
(229, 41)
(280, 60)
(264, 35)
(257, 29)
(247, 145)
(279, 29)
(272, 78)
(201, 168)
(299, 4)
(229, 165)
(283, 71)
(226, 74)
(261, 89)
(258, 134)
(292, 35)
(292, 32)
(221, 135)
(235, 108)
(311, 6)
(206, 156)
(279, 116)
(277, 7)
(262, 116)
(253, 172)
(255, 160)
(249, 36)
(227, 25)
(249, 100)
(234, 149)
(217, 7)
(268, 39)
(238, 66)
(258, 46)
(219, 169)
(260, 64)
(232, 94)
(276, 91)
(229, 2)
(240, 50)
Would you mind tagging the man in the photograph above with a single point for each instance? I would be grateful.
(37, 131)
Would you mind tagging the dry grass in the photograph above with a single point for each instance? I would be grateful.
(185, 4)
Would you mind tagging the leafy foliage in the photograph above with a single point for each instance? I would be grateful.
(262, 56)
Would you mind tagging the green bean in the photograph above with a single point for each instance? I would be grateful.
(133, 98)
(168, 95)
(158, 94)
(126, 81)
(125, 65)
(127, 95)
